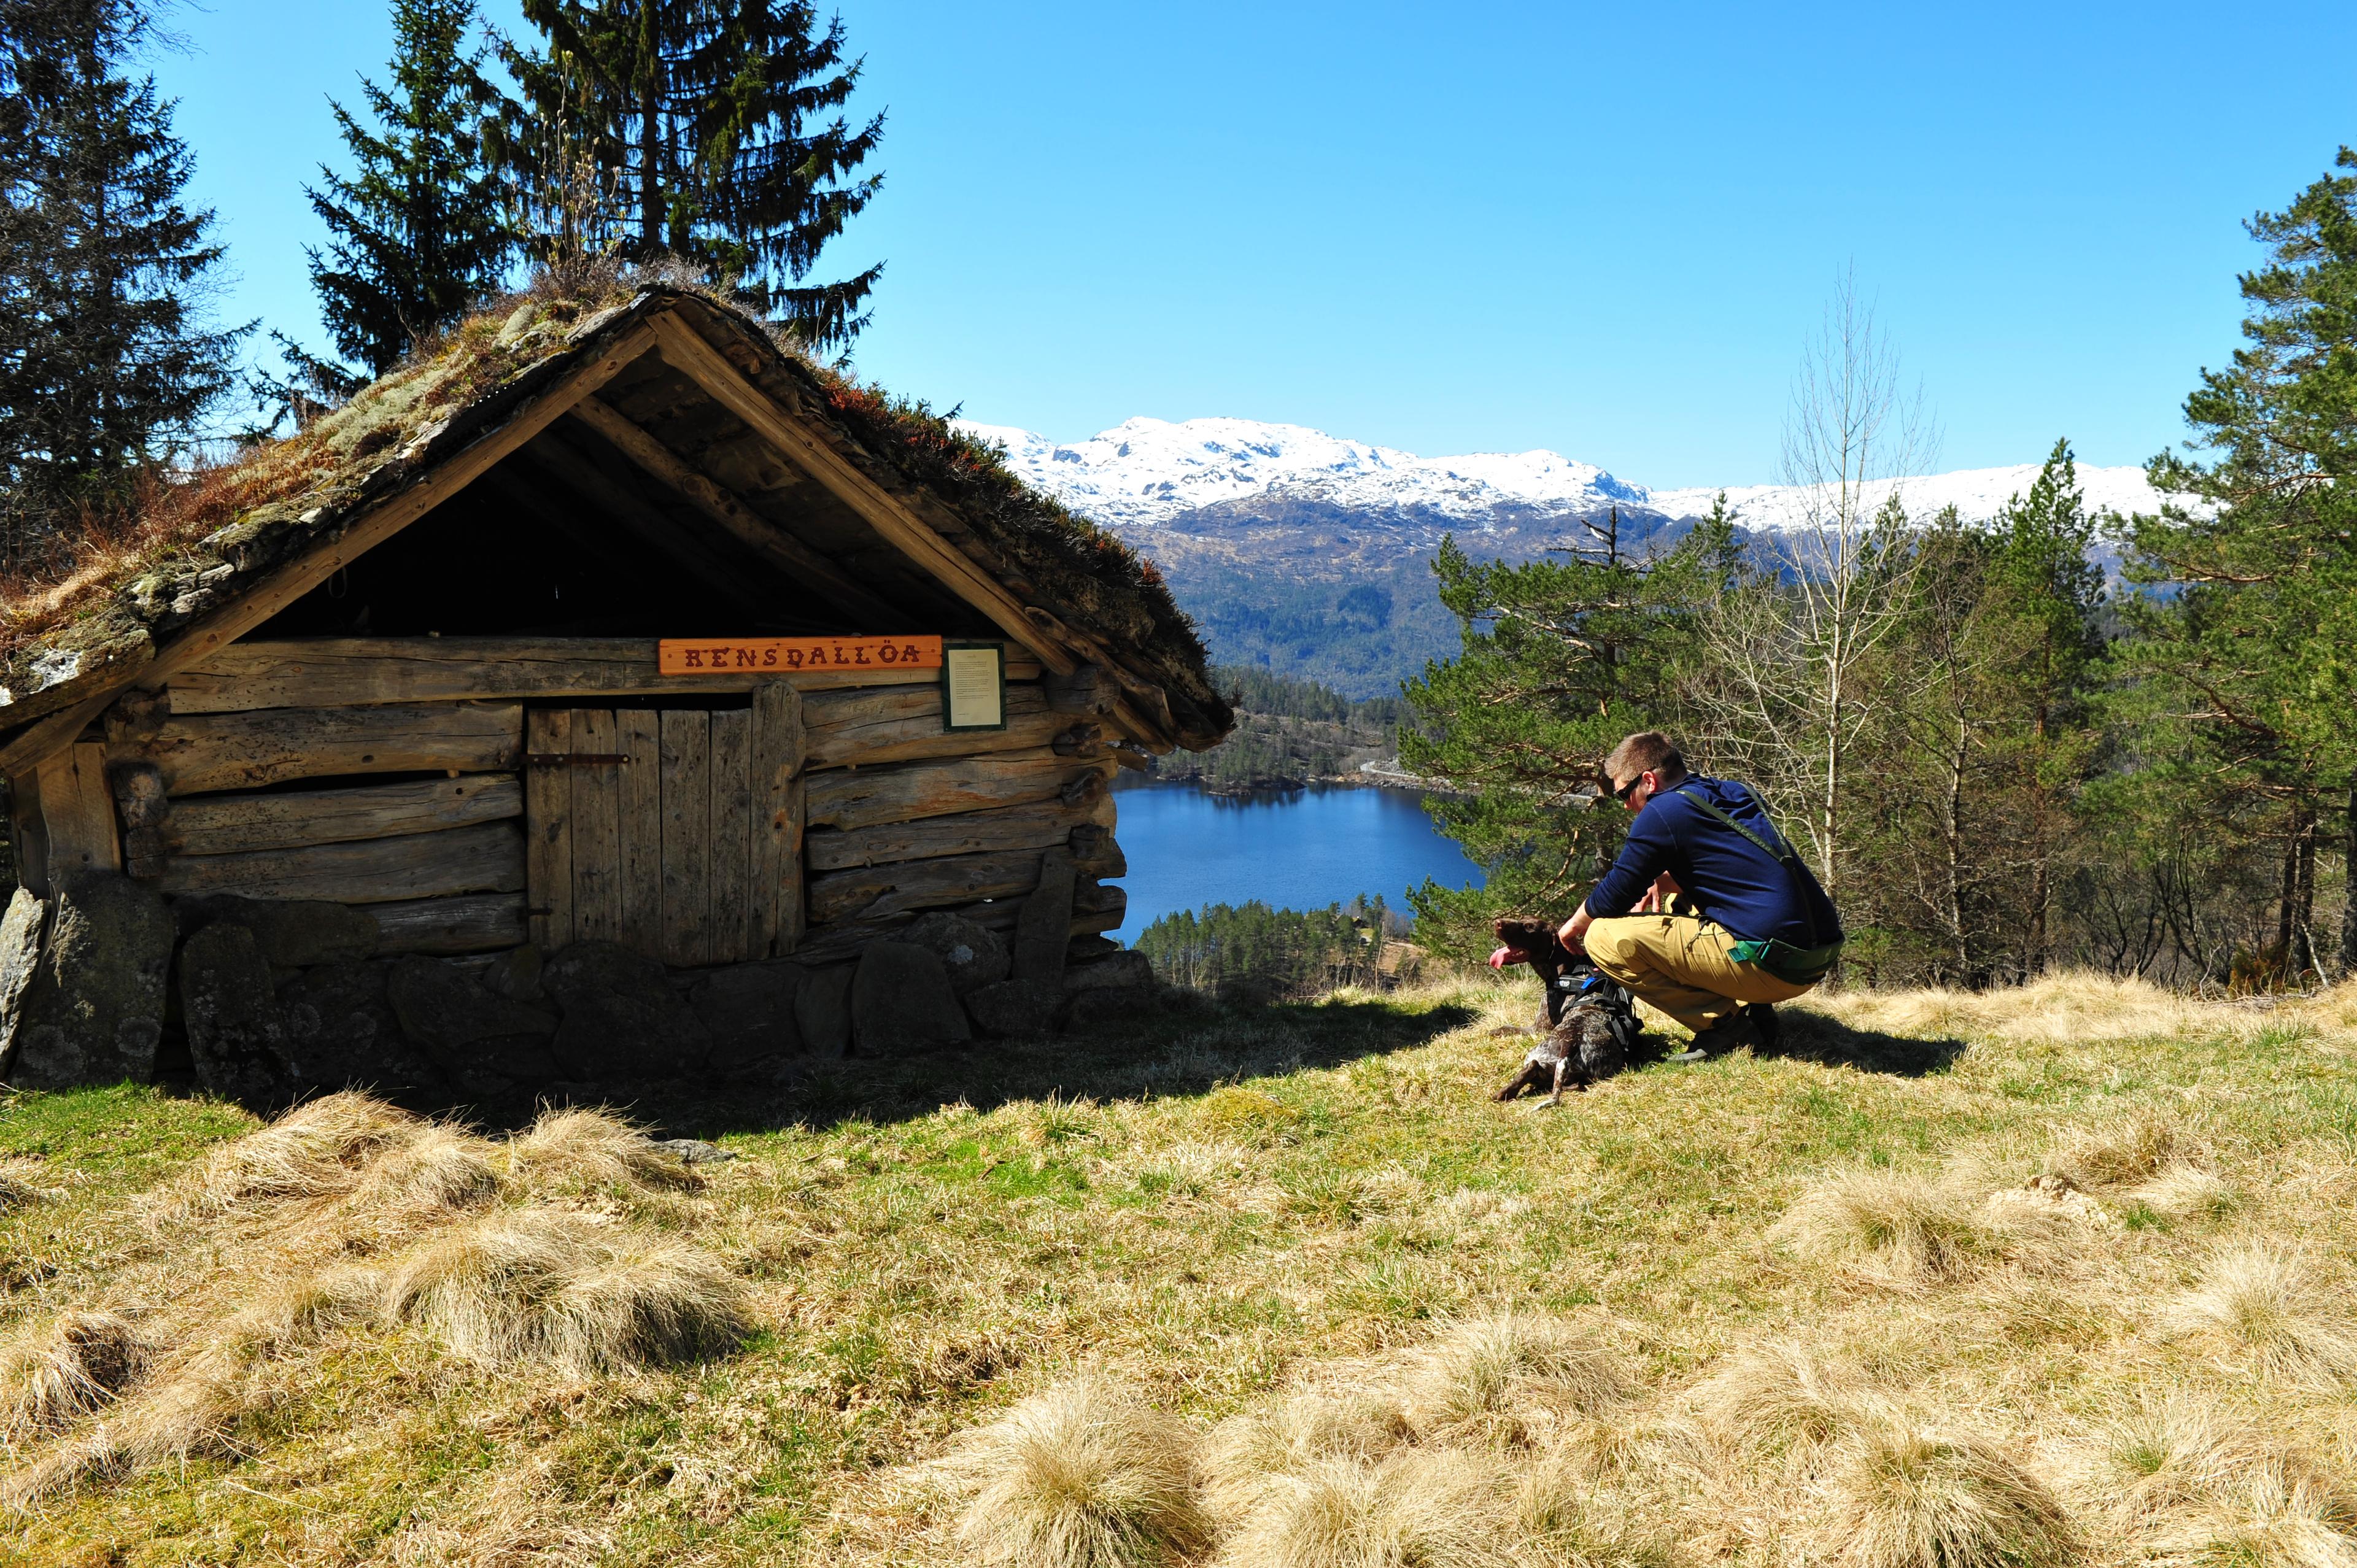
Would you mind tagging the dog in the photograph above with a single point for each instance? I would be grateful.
(1587, 1024)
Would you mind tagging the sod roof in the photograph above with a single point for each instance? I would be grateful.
(209, 542)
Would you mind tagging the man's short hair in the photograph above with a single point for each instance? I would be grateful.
(1648, 751)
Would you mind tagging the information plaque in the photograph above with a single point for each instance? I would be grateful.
(973, 685)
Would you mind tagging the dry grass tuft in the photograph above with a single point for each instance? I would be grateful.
(66, 1369)
(1249, 1452)
(1901, 1499)
(582, 1292)
(1083, 1475)
(1505, 1367)
(17, 1192)
(1419, 1509)
(2195, 1476)
(1905, 1226)
(439, 1169)
(2270, 1304)
(316, 1150)
(2186, 1192)
(594, 1149)
(1784, 1396)
(2119, 1152)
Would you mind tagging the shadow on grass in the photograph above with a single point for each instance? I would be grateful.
(1814, 1038)
(1175, 1053)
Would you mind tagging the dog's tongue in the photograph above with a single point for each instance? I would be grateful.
(1503, 957)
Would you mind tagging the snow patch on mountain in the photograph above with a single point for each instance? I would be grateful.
(1143, 472)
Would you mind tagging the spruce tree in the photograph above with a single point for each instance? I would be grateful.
(699, 129)
(105, 362)
(418, 234)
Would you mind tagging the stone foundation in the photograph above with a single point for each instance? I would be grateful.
(276, 1001)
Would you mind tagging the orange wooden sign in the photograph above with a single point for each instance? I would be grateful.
(781, 655)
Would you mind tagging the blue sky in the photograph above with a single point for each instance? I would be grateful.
(1602, 230)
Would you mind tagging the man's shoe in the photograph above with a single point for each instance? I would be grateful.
(1763, 1018)
(1731, 1032)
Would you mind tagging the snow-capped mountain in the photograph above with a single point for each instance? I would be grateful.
(1144, 472)
(1147, 471)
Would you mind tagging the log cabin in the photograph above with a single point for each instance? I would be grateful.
(608, 655)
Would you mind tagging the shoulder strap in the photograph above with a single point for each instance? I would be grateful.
(1781, 849)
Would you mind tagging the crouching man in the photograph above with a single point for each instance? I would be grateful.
(1707, 914)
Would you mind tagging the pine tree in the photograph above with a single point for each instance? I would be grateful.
(701, 128)
(418, 234)
(105, 363)
(2255, 634)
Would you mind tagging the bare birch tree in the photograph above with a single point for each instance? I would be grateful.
(1784, 695)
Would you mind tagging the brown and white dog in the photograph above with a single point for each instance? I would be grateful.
(1587, 1024)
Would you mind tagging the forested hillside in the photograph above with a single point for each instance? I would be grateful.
(1289, 733)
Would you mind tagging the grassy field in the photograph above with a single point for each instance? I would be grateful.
(2050, 1276)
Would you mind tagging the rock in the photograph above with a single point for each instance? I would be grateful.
(622, 1018)
(1043, 925)
(1015, 1007)
(973, 956)
(467, 1031)
(1088, 945)
(822, 1011)
(901, 1002)
(236, 1036)
(696, 1152)
(20, 954)
(1120, 972)
(94, 1010)
(748, 1011)
(515, 974)
(1105, 1006)
(342, 1033)
(291, 933)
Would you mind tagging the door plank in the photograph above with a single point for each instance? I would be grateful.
(596, 830)
(687, 738)
(638, 827)
(732, 823)
(548, 829)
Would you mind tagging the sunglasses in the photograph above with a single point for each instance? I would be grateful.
(1625, 790)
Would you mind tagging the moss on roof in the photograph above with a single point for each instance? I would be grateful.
(194, 546)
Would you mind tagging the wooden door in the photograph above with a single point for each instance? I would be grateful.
(676, 831)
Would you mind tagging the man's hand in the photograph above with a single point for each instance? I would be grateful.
(1658, 896)
(1573, 932)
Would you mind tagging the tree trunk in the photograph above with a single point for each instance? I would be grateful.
(2301, 958)
(1955, 837)
(2349, 892)
(651, 141)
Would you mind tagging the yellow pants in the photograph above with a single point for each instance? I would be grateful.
(1679, 963)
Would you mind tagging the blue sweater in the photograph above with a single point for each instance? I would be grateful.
(1730, 879)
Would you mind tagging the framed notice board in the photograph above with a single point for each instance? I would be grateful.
(973, 685)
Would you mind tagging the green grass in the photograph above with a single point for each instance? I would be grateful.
(1214, 1207)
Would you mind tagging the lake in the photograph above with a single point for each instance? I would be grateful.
(1299, 850)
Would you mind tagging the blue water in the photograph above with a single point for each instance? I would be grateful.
(1299, 851)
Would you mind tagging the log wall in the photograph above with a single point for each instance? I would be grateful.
(563, 790)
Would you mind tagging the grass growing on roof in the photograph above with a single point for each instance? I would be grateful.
(1273, 1288)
